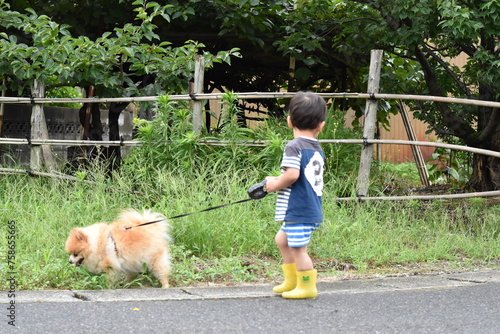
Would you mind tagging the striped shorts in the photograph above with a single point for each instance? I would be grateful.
(299, 234)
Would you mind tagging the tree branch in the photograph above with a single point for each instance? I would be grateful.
(492, 125)
(457, 124)
(468, 49)
(463, 86)
(430, 123)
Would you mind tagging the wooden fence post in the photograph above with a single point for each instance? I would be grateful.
(39, 153)
(2, 107)
(370, 124)
(199, 71)
(292, 64)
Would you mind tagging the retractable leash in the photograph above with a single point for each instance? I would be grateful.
(256, 191)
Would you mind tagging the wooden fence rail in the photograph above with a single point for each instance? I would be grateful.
(485, 194)
(131, 143)
(251, 96)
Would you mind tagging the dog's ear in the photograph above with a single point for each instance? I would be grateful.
(80, 236)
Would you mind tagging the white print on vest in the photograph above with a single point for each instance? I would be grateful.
(314, 173)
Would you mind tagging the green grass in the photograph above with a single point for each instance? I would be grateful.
(234, 244)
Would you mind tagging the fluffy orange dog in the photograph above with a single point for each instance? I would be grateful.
(114, 250)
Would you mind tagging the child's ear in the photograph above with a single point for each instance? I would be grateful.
(289, 122)
(320, 126)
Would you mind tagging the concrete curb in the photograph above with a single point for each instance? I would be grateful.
(374, 285)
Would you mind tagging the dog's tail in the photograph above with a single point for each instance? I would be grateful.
(133, 218)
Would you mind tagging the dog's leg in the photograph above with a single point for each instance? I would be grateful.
(112, 275)
(130, 277)
(160, 268)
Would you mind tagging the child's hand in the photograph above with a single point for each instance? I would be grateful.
(275, 183)
(271, 180)
(258, 191)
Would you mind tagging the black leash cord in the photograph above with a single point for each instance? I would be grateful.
(191, 213)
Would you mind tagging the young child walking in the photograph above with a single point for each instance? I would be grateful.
(300, 188)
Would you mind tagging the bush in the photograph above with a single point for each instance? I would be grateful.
(170, 143)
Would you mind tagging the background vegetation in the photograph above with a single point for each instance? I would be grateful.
(119, 46)
(176, 174)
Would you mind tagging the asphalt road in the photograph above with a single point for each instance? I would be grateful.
(459, 303)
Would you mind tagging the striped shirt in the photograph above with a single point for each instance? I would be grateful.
(301, 202)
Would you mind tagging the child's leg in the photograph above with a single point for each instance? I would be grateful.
(285, 250)
(288, 267)
(306, 276)
(301, 258)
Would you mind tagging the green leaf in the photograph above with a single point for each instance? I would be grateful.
(309, 61)
(302, 73)
(129, 51)
(166, 17)
(152, 4)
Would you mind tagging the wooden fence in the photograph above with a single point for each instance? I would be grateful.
(362, 142)
(40, 143)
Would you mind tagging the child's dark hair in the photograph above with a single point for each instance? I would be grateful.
(307, 110)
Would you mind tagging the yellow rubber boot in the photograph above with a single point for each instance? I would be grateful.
(306, 286)
(290, 273)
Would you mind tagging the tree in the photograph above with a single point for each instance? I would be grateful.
(330, 41)
(419, 37)
(267, 32)
(429, 33)
(34, 47)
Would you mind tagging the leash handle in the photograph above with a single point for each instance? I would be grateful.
(188, 214)
(258, 191)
